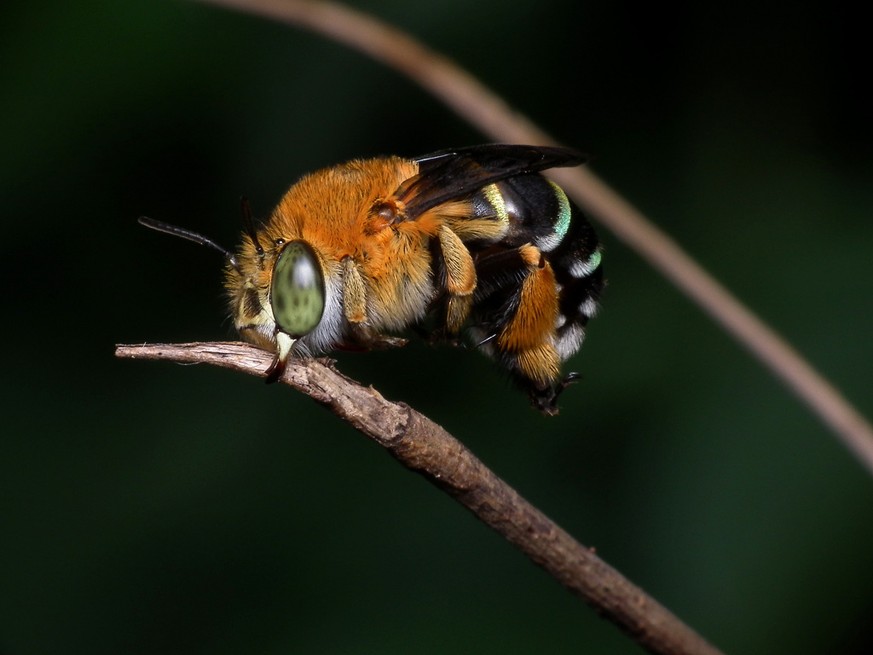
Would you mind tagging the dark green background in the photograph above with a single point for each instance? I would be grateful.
(151, 508)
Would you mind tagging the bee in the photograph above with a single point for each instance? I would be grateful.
(464, 242)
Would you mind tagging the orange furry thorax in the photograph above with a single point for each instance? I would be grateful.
(331, 208)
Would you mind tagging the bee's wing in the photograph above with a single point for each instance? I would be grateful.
(453, 174)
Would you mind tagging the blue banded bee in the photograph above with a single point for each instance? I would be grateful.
(471, 240)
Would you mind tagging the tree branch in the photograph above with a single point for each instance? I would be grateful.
(423, 446)
(485, 110)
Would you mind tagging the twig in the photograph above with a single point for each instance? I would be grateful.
(482, 108)
(425, 447)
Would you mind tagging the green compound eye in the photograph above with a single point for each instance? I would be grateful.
(297, 290)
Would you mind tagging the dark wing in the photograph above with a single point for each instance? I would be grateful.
(457, 173)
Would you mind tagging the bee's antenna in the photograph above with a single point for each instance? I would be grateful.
(176, 231)
(249, 224)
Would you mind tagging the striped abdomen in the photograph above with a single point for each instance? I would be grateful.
(538, 283)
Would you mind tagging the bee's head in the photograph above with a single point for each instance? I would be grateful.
(296, 285)
(297, 295)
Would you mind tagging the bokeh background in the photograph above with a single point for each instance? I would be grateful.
(151, 508)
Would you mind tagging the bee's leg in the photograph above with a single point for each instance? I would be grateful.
(354, 293)
(355, 310)
(460, 279)
(525, 335)
(545, 399)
